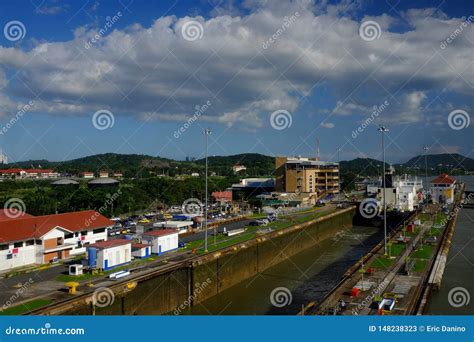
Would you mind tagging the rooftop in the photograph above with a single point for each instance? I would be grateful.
(110, 243)
(161, 232)
(34, 227)
(444, 178)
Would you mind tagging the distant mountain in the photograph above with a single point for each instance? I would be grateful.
(256, 164)
(447, 161)
(362, 166)
(138, 165)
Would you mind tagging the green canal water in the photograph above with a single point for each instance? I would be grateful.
(305, 277)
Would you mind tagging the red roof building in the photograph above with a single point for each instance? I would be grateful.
(36, 226)
(110, 243)
(222, 196)
(12, 214)
(443, 178)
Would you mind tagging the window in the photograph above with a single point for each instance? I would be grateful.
(39, 242)
(18, 244)
(100, 230)
(30, 242)
(69, 235)
(84, 233)
(3, 247)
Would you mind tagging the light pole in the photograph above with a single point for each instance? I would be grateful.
(426, 148)
(339, 174)
(383, 130)
(207, 132)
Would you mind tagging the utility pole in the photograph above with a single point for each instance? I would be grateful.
(426, 148)
(383, 130)
(207, 132)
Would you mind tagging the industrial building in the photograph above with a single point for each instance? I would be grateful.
(141, 250)
(306, 175)
(27, 240)
(251, 187)
(162, 240)
(109, 254)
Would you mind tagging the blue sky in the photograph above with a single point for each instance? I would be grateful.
(267, 77)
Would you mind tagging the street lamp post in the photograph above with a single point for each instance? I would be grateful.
(207, 132)
(426, 148)
(383, 130)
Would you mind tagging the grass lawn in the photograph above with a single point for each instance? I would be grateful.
(434, 231)
(382, 262)
(423, 253)
(25, 307)
(420, 265)
(222, 241)
(396, 249)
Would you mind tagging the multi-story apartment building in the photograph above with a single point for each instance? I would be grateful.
(306, 175)
(26, 239)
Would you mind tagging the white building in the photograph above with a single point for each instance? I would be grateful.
(141, 250)
(30, 239)
(442, 189)
(238, 168)
(161, 241)
(109, 254)
(3, 158)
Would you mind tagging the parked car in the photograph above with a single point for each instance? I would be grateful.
(181, 244)
(144, 221)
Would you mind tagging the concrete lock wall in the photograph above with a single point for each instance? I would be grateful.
(174, 291)
(235, 264)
